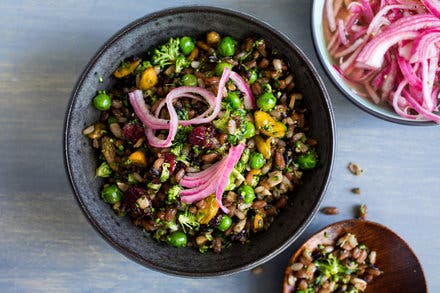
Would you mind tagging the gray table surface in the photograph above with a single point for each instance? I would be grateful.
(47, 245)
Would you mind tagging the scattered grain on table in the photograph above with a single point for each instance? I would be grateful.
(362, 212)
(330, 210)
(355, 169)
(356, 190)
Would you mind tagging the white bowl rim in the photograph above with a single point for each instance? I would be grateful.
(364, 104)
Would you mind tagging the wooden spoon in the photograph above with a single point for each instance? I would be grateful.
(402, 271)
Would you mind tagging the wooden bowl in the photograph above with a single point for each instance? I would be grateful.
(402, 271)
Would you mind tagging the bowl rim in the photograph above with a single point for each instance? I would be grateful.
(350, 95)
(127, 252)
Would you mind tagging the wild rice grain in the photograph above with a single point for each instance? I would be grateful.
(89, 130)
(355, 169)
(356, 190)
(330, 210)
(362, 212)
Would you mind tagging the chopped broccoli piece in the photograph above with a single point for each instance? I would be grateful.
(132, 179)
(307, 161)
(181, 63)
(103, 170)
(141, 67)
(171, 225)
(173, 193)
(165, 172)
(153, 186)
(222, 122)
(167, 54)
(188, 221)
(177, 149)
(182, 134)
(182, 114)
(330, 266)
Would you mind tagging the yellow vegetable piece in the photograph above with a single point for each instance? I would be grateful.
(268, 125)
(209, 211)
(258, 223)
(263, 146)
(148, 79)
(138, 158)
(126, 70)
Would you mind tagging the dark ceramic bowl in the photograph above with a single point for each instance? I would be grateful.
(142, 35)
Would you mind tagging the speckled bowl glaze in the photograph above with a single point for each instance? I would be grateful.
(384, 112)
(144, 34)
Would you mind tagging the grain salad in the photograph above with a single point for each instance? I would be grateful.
(202, 141)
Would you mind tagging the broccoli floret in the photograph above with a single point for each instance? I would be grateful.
(330, 266)
(171, 225)
(132, 179)
(173, 193)
(181, 63)
(188, 221)
(154, 186)
(165, 172)
(241, 165)
(167, 54)
(141, 67)
(222, 122)
(182, 114)
(103, 170)
(182, 134)
(307, 161)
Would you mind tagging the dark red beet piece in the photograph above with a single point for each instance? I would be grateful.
(131, 204)
(133, 132)
(203, 137)
(170, 159)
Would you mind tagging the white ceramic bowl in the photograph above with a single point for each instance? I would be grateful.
(382, 111)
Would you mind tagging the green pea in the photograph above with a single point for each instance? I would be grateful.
(189, 80)
(257, 161)
(247, 193)
(218, 70)
(252, 76)
(307, 161)
(111, 194)
(234, 100)
(225, 223)
(227, 47)
(186, 45)
(102, 101)
(266, 101)
(249, 130)
(177, 239)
